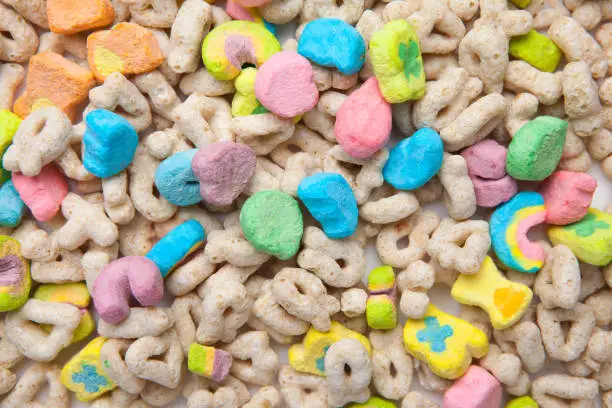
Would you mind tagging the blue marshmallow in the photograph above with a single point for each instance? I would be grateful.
(331, 201)
(176, 245)
(11, 206)
(415, 160)
(176, 181)
(331, 42)
(109, 143)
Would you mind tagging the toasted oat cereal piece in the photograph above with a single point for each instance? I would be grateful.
(34, 11)
(22, 40)
(578, 45)
(556, 390)
(25, 393)
(54, 81)
(11, 76)
(126, 48)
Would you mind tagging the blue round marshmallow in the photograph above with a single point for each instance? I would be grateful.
(331, 42)
(331, 201)
(415, 160)
(176, 181)
(109, 143)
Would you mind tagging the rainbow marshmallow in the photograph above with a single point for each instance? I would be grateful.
(176, 245)
(381, 280)
(15, 279)
(509, 225)
(209, 362)
(235, 43)
(381, 311)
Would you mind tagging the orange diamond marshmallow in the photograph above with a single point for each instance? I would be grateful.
(127, 48)
(54, 81)
(70, 17)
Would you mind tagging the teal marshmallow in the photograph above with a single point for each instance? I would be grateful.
(176, 181)
(331, 201)
(415, 160)
(272, 222)
(109, 143)
(176, 245)
(12, 206)
(536, 149)
(331, 42)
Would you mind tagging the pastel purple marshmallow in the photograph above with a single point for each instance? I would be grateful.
(119, 281)
(486, 159)
(224, 169)
(491, 193)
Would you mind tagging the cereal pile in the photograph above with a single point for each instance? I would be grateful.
(174, 152)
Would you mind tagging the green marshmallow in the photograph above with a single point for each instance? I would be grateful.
(536, 149)
(9, 123)
(521, 3)
(373, 402)
(522, 402)
(537, 50)
(272, 222)
(381, 313)
(590, 239)
(381, 279)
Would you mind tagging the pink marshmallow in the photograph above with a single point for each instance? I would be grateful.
(491, 193)
(476, 389)
(363, 122)
(486, 159)
(567, 196)
(129, 276)
(285, 85)
(252, 3)
(224, 169)
(237, 12)
(44, 193)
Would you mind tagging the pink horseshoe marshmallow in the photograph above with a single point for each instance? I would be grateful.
(119, 280)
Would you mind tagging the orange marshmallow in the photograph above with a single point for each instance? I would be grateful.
(54, 81)
(69, 16)
(127, 48)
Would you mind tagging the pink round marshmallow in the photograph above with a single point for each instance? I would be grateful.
(44, 193)
(363, 122)
(567, 196)
(476, 389)
(129, 276)
(224, 169)
(486, 159)
(491, 193)
(285, 86)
